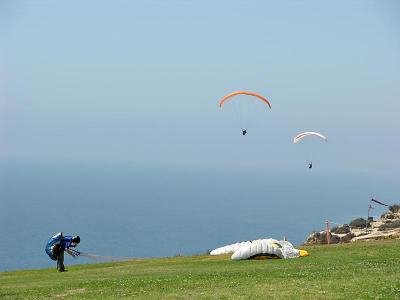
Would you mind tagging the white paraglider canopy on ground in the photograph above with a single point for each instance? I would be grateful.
(259, 249)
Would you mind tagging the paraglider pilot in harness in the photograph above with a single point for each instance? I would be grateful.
(56, 246)
(244, 131)
(310, 165)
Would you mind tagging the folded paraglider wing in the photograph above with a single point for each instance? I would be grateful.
(260, 249)
(228, 248)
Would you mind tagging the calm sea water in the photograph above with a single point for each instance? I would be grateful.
(133, 211)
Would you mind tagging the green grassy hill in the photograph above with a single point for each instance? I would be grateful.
(349, 271)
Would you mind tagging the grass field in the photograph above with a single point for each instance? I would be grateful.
(349, 271)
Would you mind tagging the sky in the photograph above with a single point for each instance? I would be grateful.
(138, 82)
(109, 109)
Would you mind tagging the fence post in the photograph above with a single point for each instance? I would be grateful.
(328, 232)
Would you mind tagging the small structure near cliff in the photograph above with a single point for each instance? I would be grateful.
(387, 226)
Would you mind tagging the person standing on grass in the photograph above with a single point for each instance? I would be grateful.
(56, 246)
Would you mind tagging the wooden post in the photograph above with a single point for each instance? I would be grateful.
(328, 232)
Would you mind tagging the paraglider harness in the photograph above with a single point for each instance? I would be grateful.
(54, 244)
(51, 244)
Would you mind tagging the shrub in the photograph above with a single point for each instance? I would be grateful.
(347, 238)
(359, 223)
(334, 239)
(387, 215)
(342, 229)
(390, 225)
(320, 238)
(394, 208)
(390, 216)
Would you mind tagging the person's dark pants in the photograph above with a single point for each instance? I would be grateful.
(60, 261)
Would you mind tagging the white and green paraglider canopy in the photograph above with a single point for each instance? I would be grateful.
(302, 135)
(262, 248)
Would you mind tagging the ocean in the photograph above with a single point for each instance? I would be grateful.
(153, 211)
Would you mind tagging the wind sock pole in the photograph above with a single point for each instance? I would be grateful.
(367, 221)
(328, 231)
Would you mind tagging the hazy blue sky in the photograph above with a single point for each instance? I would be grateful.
(110, 109)
(139, 82)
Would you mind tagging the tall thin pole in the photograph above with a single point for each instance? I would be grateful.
(328, 231)
(366, 222)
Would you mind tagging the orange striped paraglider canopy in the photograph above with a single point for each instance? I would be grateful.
(231, 95)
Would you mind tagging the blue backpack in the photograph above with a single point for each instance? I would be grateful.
(54, 240)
